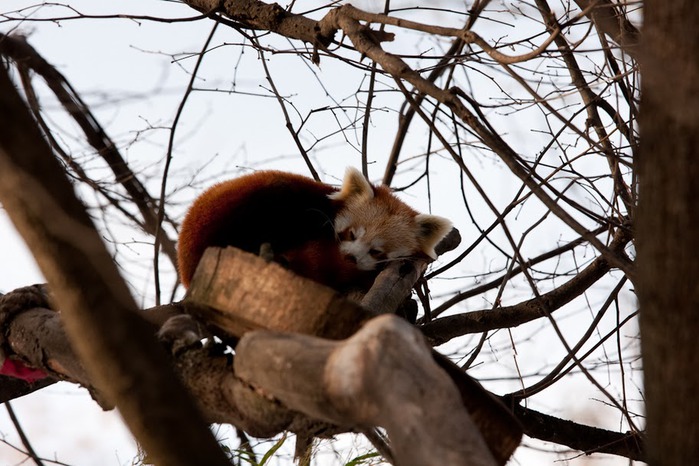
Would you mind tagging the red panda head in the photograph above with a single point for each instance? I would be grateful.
(374, 226)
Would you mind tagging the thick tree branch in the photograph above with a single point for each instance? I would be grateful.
(441, 330)
(587, 439)
(266, 17)
(27, 58)
(606, 17)
(224, 398)
(346, 382)
(115, 345)
(237, 292)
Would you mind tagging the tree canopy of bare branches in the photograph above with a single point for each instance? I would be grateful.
(570, 184)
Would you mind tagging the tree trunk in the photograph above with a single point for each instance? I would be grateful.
(668, 228)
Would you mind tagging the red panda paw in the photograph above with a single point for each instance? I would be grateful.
(266, 252)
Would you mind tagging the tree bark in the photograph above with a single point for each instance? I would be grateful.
(668, 228)
(384, 375)
(237, 292)
(115, 345)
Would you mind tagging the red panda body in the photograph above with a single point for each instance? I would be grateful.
(291, 213)
(338, 238)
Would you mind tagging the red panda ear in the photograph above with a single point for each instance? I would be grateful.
(354, 186)
(431, 231)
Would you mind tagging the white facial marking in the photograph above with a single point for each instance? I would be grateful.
(355, 245)
(373, 227)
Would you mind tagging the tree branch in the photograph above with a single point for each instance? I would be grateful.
(441, 330)
(605, 15)
(27, 58)
(587, 439)
(225, 398)
(115, 345)
(346, 382)
(267, 17)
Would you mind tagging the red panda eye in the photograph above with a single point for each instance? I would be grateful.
(352, 237)
(376, 253)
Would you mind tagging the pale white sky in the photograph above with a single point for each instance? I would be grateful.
(134, 73)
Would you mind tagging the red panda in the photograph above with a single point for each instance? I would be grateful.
(341, 238)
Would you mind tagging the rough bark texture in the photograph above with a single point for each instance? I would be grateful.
(382, 376)
(264, 295)
(668, 228)
(238, 292)
(115, 345)
(266, 17)
(225, 398)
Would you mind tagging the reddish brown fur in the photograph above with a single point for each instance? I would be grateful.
(290, 212)
(322, 261)
(338, 238)
(375, 226)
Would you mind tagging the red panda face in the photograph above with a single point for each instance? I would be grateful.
(374, 226)
(364, 247)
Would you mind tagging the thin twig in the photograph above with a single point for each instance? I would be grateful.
(168, 160)
(25, 441)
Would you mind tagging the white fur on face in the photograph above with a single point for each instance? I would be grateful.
(373, 236)
(374, 226)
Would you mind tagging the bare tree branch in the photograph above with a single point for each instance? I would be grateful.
(267, 17)
(579, 437)
(41, 203)
(25, 441)
(25, 57)
(441, 330)
(555, 102)
(605, 14)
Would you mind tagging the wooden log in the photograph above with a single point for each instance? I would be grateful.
(238, 292)
(384, 375)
